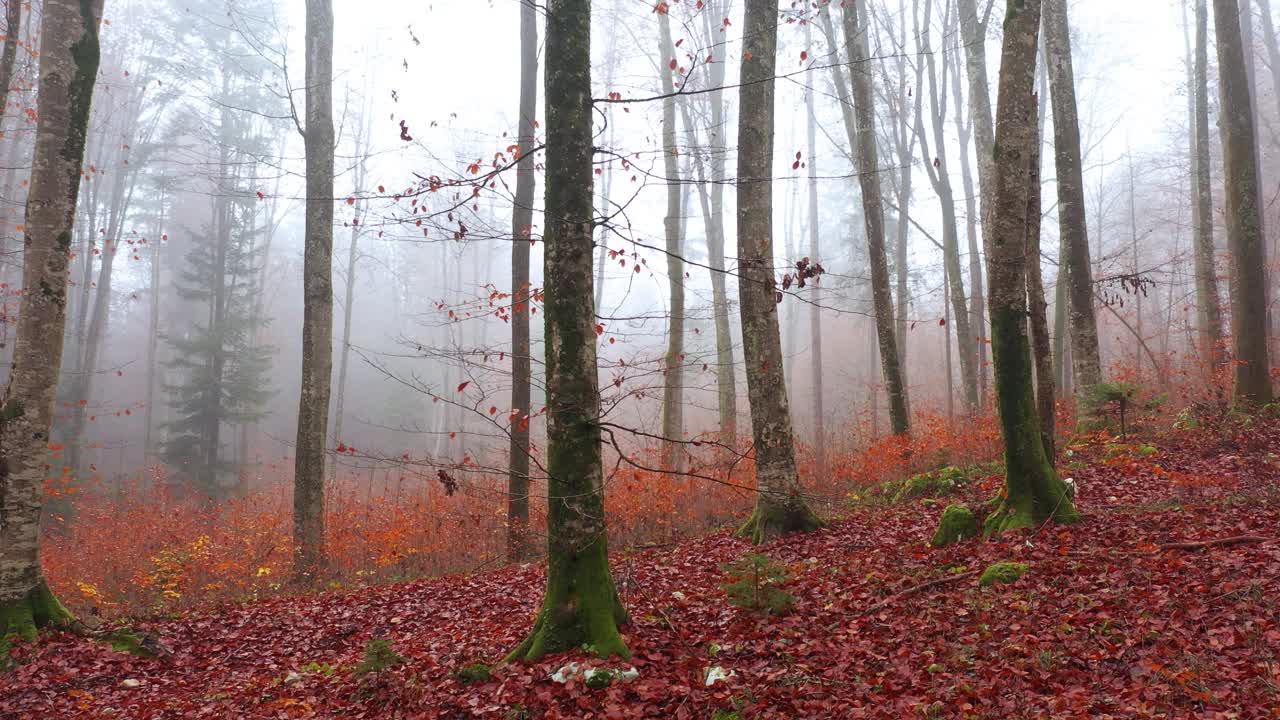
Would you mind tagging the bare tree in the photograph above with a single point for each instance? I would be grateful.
(1244, 231)
(68, 71)
(1072, 231)
(1033, 493)
(780, 505)
(317, 290)
(673, 363)
(519, 545)
(815, 290)
(580, 605)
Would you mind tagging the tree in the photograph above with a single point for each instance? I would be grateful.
(1037, 307)
(1244, 234)
(855, 33)
(1072, 231)
(815, 297)
(580, 606)
(317, 291)
(518, 541)
(1208, 301)
(68, 70)
(780, 505)
(940, 178)
(9, 56)
(1033, 493)
(673, 364)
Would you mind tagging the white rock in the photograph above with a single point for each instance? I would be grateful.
(292, 677)
(716, 673)
(130, 683)
(679, 596)
(564, 673)
(626, 675)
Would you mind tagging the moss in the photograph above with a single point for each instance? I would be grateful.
(726, 715)
(472, 674)
(22, 618)
(771, 519)
(957, 524)
(127, 641)
(931, 484)
(11, 410)
(1002, 572)
(598, 679)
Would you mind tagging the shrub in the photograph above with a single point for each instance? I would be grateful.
(378, 655)
(755, 583)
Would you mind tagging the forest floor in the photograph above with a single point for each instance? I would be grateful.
(1111, 620)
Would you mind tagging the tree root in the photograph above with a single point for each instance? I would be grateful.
(1219, 542)
(920, 588)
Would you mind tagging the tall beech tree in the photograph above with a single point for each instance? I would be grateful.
(69, 60)
(580, 606)
(317, 291)
(1085, 359)
(519, 544)
(673, 364)
(815, 290)
(865, 153)
(1033, 492)
(1244, 230)
(780, 504)
(1208, 301)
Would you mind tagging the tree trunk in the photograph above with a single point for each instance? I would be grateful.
(317, 291)
(580, 607)
(780, 505)
(1208, 299)
(519, 544)
(9, 56)
(68, 70)
(940, 177)
(855, 33)
(349, 290)
(1033, 493)
(1244, 233)
(1038, 308)
(1086, 363)
(717, 138)
(973, 34)
(815, 290)
(673, 364)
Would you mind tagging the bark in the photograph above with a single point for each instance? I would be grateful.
(1033, 493)
(68, 70)
(726, 378)
(1038, 308)
(904, 125)
(1244, 232)
(673, 363)
(815, 290)
(936, 168)
(973, 35)
(317, 290)
(1072, 229)
(977, 289)
(580, 606)
(1208, 299)
(349, 289)
(519, 544)
(855, 32)
(9, 55)
(780, 505)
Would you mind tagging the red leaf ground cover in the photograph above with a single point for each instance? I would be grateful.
(1105, 624)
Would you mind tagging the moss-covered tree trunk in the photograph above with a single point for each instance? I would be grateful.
(673, 364)
(519, 545)
(780, 506)
(1033, 493)
(1085, 360)
(580, 606)
(865, 153)
(68, 69)
(1244, 230)
(317, 290)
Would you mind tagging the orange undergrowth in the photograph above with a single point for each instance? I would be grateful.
(138, 548)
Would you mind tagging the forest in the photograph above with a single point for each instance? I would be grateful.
(628, 359)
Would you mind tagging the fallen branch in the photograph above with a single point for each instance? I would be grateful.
(920, 588)
(1201, 544)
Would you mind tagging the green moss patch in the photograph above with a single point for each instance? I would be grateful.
(956, 525)
(1003, 573)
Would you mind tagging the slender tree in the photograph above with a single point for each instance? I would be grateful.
(673, 363)
(317, 291)
(68, 70)
(815, 297)
(1038, 309)
(9, 55)
(1072, 230)
(1208, 300)
(580, 606)
(780, 504)
(1244, 233)
(1033, 493)
(519, 545)
(855, 32)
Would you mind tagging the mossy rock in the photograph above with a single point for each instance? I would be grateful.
(956, 525)
(930, 484)
(1003, 573)
(473, 674)
(597, 679)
